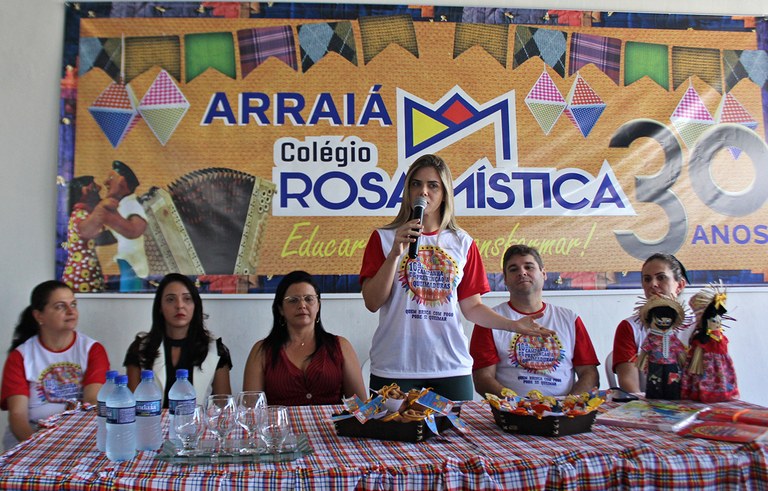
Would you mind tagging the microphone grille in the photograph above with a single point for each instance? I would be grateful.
(420, 201)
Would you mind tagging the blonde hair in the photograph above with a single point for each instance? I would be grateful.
(447, 215)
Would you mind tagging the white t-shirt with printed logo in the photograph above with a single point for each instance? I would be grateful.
(420, 334)
(51, 378)
(525, 363)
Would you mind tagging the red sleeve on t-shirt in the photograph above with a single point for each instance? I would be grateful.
(98, 364)
(624, 345)
(14, 379)
(583, 351)
(373, 257)
(474, 281)
(482, 348)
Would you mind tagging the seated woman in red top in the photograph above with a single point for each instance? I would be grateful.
(299, 363)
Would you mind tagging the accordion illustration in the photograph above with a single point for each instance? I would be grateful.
(210, 221)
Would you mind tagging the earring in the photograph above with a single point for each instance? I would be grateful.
(282, 321)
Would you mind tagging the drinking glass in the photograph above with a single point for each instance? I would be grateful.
(189, 428)
(220, 418)
(250, 414)
(275, 428)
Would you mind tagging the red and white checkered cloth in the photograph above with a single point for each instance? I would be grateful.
(64, 456)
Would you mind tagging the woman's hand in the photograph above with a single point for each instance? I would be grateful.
(528, 326)
(405, 235)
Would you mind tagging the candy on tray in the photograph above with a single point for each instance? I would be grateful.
(392, 414)
(539, 405)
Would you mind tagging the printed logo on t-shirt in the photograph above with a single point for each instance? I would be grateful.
(431, 278)
(60, 382)
(536, 354)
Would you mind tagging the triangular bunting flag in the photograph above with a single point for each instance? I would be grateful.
(163, 107)
(545, 102)
(584, 106)
(115, 112)
(691, 117)
(732, 111)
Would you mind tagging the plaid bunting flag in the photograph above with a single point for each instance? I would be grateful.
(548, 44)
(142, 53)
(702, 62)
(101, 53)
(491, 37)
(257, 45)
(317, 40)
(601, 51)
(209, 50)
(493, 15)
(646, 60)
(379, 32)
(739, 64)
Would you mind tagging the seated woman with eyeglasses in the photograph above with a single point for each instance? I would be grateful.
(299, 363)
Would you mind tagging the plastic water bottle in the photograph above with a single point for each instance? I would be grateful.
(101, 417)
(121, 422)
(182, 399)
(149, 400)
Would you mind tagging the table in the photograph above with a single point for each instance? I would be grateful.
(64, 456)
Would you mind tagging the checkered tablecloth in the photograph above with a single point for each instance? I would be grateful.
(64, 456)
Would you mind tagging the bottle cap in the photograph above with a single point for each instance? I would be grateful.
(111, 374)
(182, 373)
(121, 380)
(147, 375)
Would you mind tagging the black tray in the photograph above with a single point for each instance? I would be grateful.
(546, 426)
(414, 431)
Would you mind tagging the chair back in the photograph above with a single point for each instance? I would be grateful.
(609, 375)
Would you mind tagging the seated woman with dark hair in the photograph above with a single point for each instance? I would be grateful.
(299, 363)
(177, 339)
(50, 366)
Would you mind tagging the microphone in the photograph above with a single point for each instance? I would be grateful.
(418, 212)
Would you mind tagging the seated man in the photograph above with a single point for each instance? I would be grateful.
(524, 363)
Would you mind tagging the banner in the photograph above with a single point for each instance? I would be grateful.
(236, 142)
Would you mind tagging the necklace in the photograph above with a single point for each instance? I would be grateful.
(300, 343)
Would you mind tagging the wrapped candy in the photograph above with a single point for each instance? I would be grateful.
(538, 405)
(709, 375)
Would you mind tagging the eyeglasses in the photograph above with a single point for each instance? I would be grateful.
(308, 299)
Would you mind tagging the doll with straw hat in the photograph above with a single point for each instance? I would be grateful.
(662, 354)
(709, 375)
